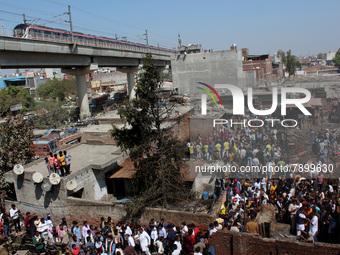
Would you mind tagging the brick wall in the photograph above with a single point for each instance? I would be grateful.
(229, 243)
(182, 130)
(64, 142)
(97, 138)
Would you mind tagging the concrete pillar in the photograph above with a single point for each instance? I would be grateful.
(80, 73)
(131, 85)
(83, 100)
(130, 73)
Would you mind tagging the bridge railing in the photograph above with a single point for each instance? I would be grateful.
(6, 31)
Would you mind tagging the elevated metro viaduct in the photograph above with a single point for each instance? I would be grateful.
(74, 59)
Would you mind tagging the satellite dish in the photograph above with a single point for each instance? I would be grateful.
(54, 179)
(18, 169)
(71, 185)
(37, 177)
(46, 186)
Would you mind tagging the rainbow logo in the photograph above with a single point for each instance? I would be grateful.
(209, 93)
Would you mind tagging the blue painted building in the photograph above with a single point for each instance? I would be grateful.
(19, 81)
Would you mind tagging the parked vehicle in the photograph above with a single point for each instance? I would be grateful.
(94, 103)
(120, 97)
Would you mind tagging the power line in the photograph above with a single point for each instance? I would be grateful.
(25, 8)
(16, 22)
(108, 19)
(12, 13)
(63, 24)
(85, 29)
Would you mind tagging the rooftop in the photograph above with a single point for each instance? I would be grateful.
(96, 128)
(83, 155)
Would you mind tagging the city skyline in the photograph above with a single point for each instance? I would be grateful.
(305, 27)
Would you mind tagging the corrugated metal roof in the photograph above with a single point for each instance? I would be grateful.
(15, 78)
(127, 170)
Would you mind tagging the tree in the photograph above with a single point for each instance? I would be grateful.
(15, 145)
(289, 61)
(156, 154)
(292, 63)
(15, 95)
(58, 89)
(282, 55)
(320, 56)
(336, 60)
(50, 115)
(167, 75)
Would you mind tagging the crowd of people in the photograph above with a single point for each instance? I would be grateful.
(108, 237)
(58, 164)
(258, 147)
(309, 203)
(310, 206)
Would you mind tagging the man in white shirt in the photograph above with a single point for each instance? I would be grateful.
(159, 245)
(314, 225)
(257, 184)
(292, 208)
(161, 231)
(43, 229)
(14, 214)
(84, 229)
(130, 240)
(154, 234)
(178, 245)
(89, 234)
(300, 221)
(184, 228)
(145, 241)
(128, 230)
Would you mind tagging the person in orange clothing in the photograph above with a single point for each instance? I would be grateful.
(308, 212)
(273, 189)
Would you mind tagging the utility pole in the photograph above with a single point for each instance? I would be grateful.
(70, 21)
(2, 27)
(24, 17)
(146, 38)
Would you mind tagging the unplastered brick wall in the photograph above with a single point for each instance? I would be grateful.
(98, 138)
(231, 243)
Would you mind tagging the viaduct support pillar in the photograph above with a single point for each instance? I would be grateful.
(83, 102)
(130, 73)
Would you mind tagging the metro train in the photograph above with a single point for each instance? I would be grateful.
(58, 35)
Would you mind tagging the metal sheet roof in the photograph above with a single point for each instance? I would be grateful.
(127, 170)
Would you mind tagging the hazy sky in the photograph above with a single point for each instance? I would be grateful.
(263, 26)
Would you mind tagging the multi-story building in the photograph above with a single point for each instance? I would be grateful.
(210, 67)
(268, 69)
(34, 79)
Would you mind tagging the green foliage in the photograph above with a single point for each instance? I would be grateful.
(15, 95)
(336, 60)
(289, 60)
(292, 63)
(57, 89)
(282, 55)
(320, 55)
(50, 115)
(15, 145)
(167, 75)
(156, 154)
